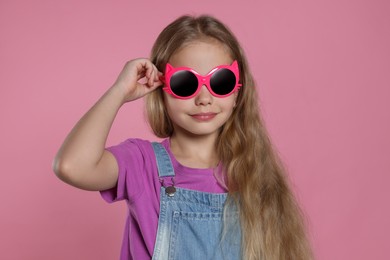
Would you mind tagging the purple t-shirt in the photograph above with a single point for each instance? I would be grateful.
(138, 184)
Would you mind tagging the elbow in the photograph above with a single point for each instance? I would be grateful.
(70, 173)
(62, 169)
(58, 168)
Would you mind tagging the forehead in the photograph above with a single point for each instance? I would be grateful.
(201, 55)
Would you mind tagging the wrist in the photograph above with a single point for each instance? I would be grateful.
(118, 92)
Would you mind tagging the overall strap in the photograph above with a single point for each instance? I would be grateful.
(164, 164)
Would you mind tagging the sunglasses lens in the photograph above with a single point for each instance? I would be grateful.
(183, 83)
(223, 81)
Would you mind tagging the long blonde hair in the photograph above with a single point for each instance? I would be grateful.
(271, 222)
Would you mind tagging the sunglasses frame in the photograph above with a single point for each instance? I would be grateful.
(202, 80)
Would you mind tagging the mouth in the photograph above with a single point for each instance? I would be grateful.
(204, 116)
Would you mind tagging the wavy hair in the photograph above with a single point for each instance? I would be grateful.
(271, 221)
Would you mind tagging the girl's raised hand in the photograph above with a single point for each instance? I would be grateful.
(138, 78)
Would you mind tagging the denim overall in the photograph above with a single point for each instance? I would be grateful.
(190, 222)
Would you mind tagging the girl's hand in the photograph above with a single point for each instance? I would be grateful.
(138, 78)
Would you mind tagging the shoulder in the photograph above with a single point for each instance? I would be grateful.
(131, 144)
(133, 148)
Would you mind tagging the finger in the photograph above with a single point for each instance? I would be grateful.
(151, 78)
(143, 67)
(156, 84)
(159, 75)
(148, 72)
(141, 75)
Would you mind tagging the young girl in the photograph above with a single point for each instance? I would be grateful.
(214, 188)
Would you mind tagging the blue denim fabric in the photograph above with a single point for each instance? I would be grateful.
(190, 222)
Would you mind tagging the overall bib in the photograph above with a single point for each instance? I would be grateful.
(190, 222)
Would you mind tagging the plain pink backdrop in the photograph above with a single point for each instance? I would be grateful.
(323, 73)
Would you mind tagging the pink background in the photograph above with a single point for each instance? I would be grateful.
(323, 74)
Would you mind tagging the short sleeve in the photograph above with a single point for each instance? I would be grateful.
(130, 176)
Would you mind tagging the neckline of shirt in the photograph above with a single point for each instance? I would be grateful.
(179, 168)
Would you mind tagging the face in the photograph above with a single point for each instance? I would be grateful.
(203, 114)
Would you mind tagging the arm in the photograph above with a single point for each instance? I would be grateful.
(82, 160)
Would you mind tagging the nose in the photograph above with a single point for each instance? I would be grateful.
(204, 97)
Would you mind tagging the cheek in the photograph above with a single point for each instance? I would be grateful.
(175, 105)
(230, 103)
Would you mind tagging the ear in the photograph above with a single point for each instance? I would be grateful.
(235, 64)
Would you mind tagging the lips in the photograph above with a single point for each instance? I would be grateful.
(204, 116)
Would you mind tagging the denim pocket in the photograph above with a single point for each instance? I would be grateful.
(197, 235)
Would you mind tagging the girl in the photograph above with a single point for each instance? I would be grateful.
(214, 188)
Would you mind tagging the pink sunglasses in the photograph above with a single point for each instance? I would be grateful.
(185, 83)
